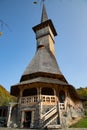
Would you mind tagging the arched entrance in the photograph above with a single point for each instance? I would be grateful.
(61, 96)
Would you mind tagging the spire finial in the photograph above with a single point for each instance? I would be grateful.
(44, 16)
(43, 1)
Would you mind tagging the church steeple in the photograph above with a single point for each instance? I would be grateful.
(44, 16)
(44, 61)
(45, 32)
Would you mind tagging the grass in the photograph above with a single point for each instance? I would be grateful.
(80, 124)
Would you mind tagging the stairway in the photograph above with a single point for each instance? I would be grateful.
(48, 117)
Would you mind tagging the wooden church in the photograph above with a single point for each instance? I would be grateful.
(44, 97)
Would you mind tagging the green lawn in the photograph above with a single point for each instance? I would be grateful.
(81, 123)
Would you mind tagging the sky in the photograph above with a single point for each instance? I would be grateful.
(18, 43)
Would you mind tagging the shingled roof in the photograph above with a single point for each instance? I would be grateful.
(44, 61)
(43, 68)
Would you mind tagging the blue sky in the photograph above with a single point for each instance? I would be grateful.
(18, 44)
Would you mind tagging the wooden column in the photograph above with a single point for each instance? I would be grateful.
(9, 115)
(32, 120)
(20, 96)
(22, 119)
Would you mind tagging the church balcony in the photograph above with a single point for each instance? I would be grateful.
(29, 99)
(48, 100)
(44, 99)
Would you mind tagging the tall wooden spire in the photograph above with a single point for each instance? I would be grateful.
(44, 61)
(44, 16)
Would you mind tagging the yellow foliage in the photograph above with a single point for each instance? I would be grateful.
(1, 33)
(5, 96)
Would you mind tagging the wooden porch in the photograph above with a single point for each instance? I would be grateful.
(44, 99)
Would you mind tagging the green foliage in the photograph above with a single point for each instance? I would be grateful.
(82, 92)
(80, 124)
(5, 97)
(85, 112)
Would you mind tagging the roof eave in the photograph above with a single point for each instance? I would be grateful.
(44, 24)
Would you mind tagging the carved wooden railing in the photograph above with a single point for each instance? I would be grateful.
(46, 99)
(61, 106)
(29, 99)
(43, 98)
